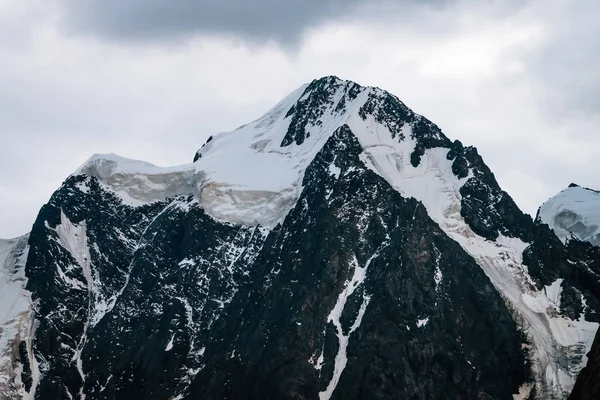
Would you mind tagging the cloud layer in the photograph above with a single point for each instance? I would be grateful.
(515, 79)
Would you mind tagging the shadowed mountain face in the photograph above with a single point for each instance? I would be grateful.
(340, 246)
(587, 386)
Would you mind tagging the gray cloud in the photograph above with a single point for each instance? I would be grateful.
(256, 21)
(146, 20)
(568, 63)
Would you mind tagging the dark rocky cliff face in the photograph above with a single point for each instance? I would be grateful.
(357, 293)
(587, 386)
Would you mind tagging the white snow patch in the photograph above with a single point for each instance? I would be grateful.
(170, 344)
(422, 322)
(103, 387)
(334, 171)
(14, 300)
(553, 293)
(187, 262)
(73, 238)
(438, 276)
(317, 362)
(524, 392)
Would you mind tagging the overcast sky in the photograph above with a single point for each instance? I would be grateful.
(152, 79)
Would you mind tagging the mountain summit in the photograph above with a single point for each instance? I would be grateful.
(340, 246)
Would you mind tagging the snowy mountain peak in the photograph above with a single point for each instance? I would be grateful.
(322, 99)
(331, 101)
(573, 213)
(253, 175)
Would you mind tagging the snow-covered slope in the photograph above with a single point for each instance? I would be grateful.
(244, 176)
(15, 304)
(573, 212)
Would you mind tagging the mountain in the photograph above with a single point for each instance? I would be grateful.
(574, 215)
(340, 246)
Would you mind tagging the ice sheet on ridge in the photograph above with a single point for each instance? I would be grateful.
(138, 182)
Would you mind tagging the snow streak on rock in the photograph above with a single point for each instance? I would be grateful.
(73, 238)
(350, 286)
